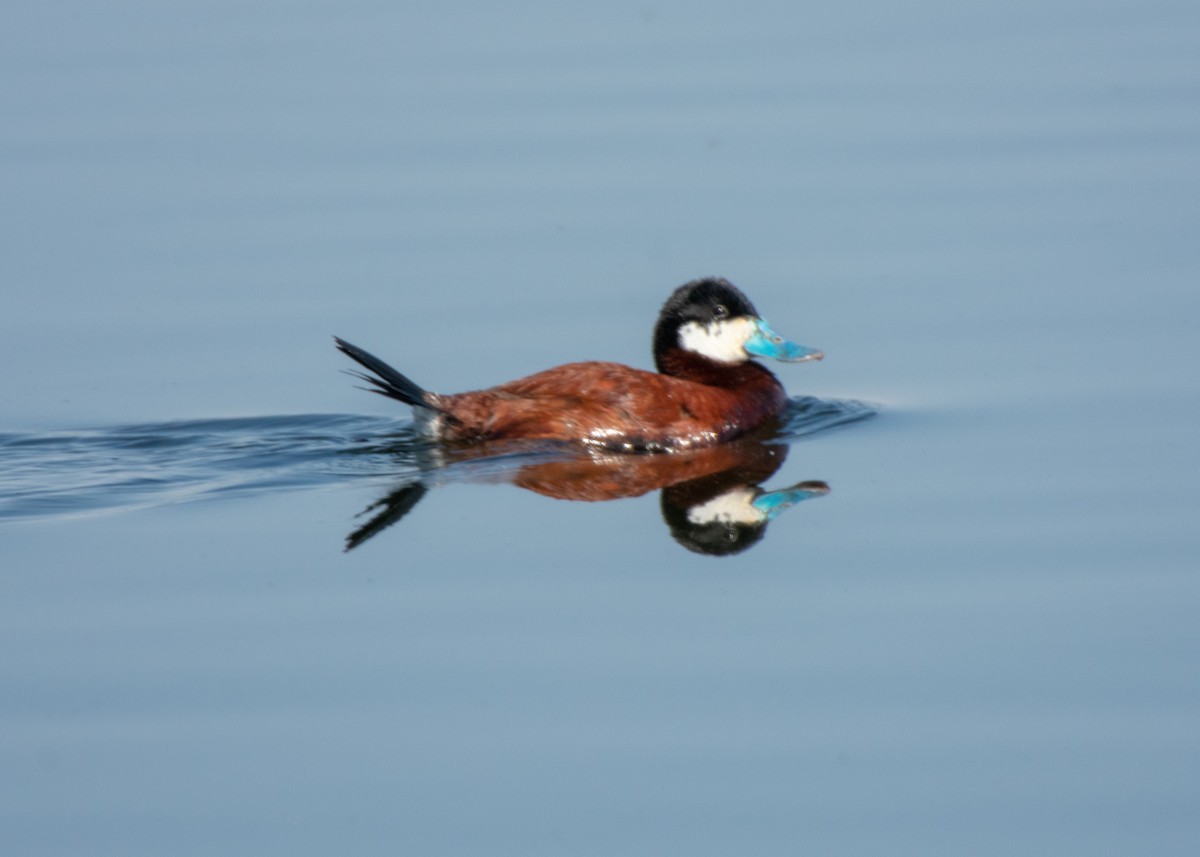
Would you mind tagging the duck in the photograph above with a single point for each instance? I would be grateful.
(709, 387)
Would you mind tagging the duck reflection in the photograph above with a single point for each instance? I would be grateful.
(712, 499)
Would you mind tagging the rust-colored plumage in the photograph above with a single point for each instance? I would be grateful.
(706, 391)
(615, 406)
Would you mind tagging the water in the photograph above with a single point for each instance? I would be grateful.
(72, 473)
(981, 639)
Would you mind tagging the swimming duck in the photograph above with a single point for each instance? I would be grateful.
(707, 390)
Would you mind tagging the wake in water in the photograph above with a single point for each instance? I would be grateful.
(52, 474)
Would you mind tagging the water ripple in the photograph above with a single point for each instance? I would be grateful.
(50, 474)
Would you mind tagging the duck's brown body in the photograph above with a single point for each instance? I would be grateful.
(617, 407)
(707, 389)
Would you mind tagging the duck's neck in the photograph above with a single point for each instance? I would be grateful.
(692, 367)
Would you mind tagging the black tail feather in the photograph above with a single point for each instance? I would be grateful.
(385, 381)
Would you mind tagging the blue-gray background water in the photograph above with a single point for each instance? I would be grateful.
(982, 640)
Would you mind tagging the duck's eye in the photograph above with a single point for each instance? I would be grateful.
(720, 311)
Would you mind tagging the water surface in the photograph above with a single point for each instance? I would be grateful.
(981, 639)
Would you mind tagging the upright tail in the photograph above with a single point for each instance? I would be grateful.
(384, 380)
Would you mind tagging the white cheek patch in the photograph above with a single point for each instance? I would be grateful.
(732, 507)
(723, 341)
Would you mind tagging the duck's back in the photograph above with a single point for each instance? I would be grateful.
(616, 406)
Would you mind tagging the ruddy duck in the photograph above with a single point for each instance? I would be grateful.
(707, 389)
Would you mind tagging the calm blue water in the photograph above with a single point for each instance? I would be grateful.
(982, 639)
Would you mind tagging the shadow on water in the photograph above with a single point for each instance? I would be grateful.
(712, 500)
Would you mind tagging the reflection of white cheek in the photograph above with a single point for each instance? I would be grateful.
(723, 341)
(732, 507)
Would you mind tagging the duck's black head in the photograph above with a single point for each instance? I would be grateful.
(711, 318)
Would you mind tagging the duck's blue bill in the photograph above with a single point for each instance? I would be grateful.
(772, 503)
(767, 343)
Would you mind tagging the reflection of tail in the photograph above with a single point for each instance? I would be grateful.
(394, 507)
(385, 381)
